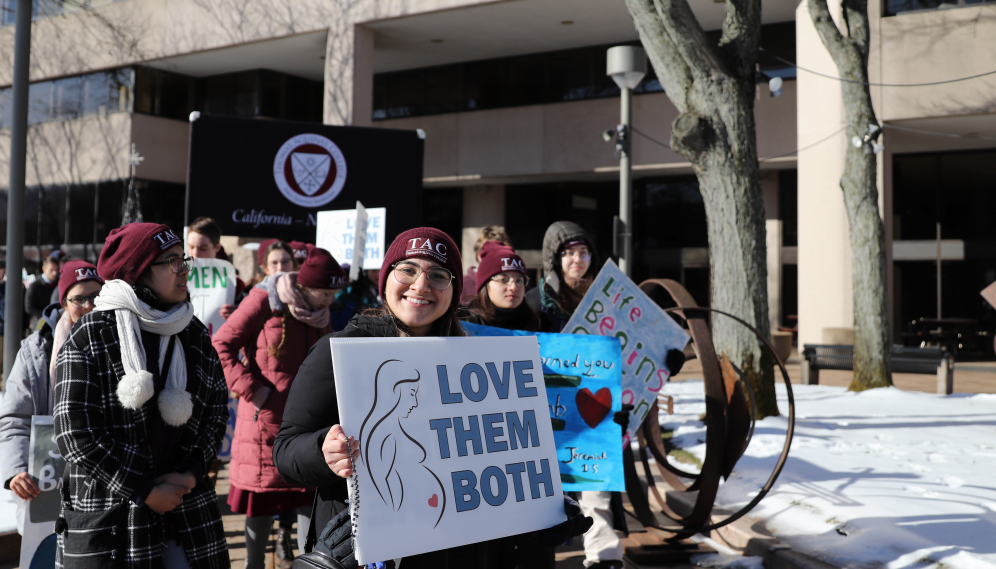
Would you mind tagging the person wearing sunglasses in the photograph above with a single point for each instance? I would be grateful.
(140, 412)
(420, 286)
(501, 293)
(29, 387)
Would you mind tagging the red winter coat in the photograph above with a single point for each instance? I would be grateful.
(254, 326)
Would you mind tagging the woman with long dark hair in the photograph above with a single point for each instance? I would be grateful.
(420, 285)
(277, 324)
(501, 283)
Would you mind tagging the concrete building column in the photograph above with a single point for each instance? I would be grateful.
(825, 293)
(482, 205)
(773, 244)
(349, 57)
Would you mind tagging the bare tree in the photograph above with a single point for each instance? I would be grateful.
(849, 50)
(713, 86)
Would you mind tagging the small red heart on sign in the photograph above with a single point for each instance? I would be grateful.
(434, 501)
(593, 408)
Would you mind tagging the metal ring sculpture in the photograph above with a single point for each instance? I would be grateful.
(729, 429)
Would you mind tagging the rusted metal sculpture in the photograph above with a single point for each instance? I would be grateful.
(730, 418)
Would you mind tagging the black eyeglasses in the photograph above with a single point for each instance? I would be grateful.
(176, 264)
(439, 278)
(81, 301)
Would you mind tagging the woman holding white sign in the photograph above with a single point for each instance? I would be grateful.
(29, 388)
(277, 324)
(420, 283)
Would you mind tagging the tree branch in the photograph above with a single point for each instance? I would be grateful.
(689, 39)
(672, 71)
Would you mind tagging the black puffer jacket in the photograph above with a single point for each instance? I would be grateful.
(311, 411)
(545, 297)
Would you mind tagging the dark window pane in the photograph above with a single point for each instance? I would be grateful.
(788, 206)
(219, 93)
(40, 102)
(146, 90)
(443, 209)
(6, 108)
(67, 98)
(571, 75)
(246, 85)
(485, 84)
(527, 80)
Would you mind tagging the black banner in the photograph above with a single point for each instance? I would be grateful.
(266, 178)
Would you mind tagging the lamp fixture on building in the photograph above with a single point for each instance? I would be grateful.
(626, 64)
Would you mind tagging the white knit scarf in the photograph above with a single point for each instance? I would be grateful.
(133, 315)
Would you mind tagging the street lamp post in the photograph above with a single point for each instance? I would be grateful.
(626, 65)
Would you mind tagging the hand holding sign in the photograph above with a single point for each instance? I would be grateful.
(336, 454)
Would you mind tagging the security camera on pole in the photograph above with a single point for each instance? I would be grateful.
(626, 65)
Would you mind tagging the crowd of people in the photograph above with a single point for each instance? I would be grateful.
(121, 334)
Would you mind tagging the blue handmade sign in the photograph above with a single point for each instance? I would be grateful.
(615, 306)
(583, 389)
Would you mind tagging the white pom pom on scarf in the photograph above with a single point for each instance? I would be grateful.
(135, 389)
(175, 406)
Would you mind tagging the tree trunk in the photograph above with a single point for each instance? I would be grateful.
(713, 88)
(872, 360)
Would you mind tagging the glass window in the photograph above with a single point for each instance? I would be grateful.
(67, 98)
(6, 108)
(788, 206)
(40, 102)
(893, 7)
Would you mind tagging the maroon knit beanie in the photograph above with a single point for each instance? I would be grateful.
(129, 250)
(300, 251)
(76, 272)
(424, 242)
(496, 257)
(320, 270)
(261, 253)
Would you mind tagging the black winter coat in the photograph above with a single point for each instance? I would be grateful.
(311, 411)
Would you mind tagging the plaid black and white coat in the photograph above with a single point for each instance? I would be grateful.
(108, 452)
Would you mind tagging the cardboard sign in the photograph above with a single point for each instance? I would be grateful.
(455, 445)
(615, 306)
(583, 378)
(271, 178)
(46, 464)
(337, 234)
(211, 284)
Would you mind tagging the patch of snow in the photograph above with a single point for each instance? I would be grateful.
(727, 561)
(882, 479)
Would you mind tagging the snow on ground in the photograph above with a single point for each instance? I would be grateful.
(883, 478)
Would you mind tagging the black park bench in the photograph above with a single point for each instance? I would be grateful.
(927, 361)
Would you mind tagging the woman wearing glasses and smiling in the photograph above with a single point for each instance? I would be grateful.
(140, 412)
(29, 387)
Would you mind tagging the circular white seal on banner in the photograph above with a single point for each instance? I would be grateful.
(310, 170)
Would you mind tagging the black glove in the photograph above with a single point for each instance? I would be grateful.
(621, 418)
(674, 360)
(576, 524)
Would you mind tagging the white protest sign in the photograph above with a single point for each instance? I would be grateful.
(615, 306)
(359, 242)
(211, 283)
(456, 443)
(336, 233)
